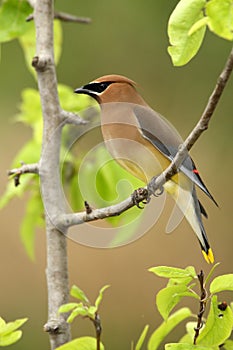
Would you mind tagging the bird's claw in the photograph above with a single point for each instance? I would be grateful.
(152, 190)
(140, 196)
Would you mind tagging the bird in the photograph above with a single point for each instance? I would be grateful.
(144, 143)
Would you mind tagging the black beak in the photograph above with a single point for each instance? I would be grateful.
(82, 90)
(85, 91)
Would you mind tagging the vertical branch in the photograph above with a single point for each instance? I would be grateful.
(203, 300)
(98, 330)
(57, 271)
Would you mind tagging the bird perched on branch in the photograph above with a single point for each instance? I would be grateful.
(144, 143)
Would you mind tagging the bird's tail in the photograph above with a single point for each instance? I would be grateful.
(186, 199)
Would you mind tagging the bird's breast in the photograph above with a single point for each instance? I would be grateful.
(124, 141)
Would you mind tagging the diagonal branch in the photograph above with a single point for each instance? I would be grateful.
(200, 127)
(72, 118)
(66, 17)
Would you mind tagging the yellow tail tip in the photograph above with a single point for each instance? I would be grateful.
(209, 257)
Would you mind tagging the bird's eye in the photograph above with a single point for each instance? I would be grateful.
(103, 86)
(97, 87)
(100, 87)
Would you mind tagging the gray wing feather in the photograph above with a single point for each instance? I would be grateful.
(165, 138)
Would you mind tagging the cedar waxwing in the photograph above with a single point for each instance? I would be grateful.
(144, 144)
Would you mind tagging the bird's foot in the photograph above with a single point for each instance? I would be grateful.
(140, 196)
(153, 190)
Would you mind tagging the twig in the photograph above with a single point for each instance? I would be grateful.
(65, 17)
(24, 169)
(98, 329)
(203, 300)
(67, 220)
(87, 207)
(72, 118)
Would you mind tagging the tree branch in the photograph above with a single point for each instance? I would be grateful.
(57, 271)
(62, 16)
(72, 118)
(203, 300)
(24, 169)
(67, 220)
(66, 17)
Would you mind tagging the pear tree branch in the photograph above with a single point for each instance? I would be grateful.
(57, 264)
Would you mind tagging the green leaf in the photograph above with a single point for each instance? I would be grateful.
(142, 338)
(222, 283)
(73, 191)
(81, 310)
(29, 153)
(190, 328)
(173, 272)
(2, 323)
(12, 326)
(186, 346)
(70, 102)
(13, 14)
(112, 184)
(10, 338)
(12, 191)
(184, 46)
(228, 344)
(100, 296)
(28, 44)
(175, 275)
(31, 102)
(166, 327)
(33, 218)
(211, 272)
(218, 325)
(186, 339)
(67, 307)
(8, 331)
(169, 297)
(220, 17)
(77, 293)
(198, 25)
(92, 312)
(83, 343)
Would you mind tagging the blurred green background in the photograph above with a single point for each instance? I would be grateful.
(125, 37)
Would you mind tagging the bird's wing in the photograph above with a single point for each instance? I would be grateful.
(165, 138)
